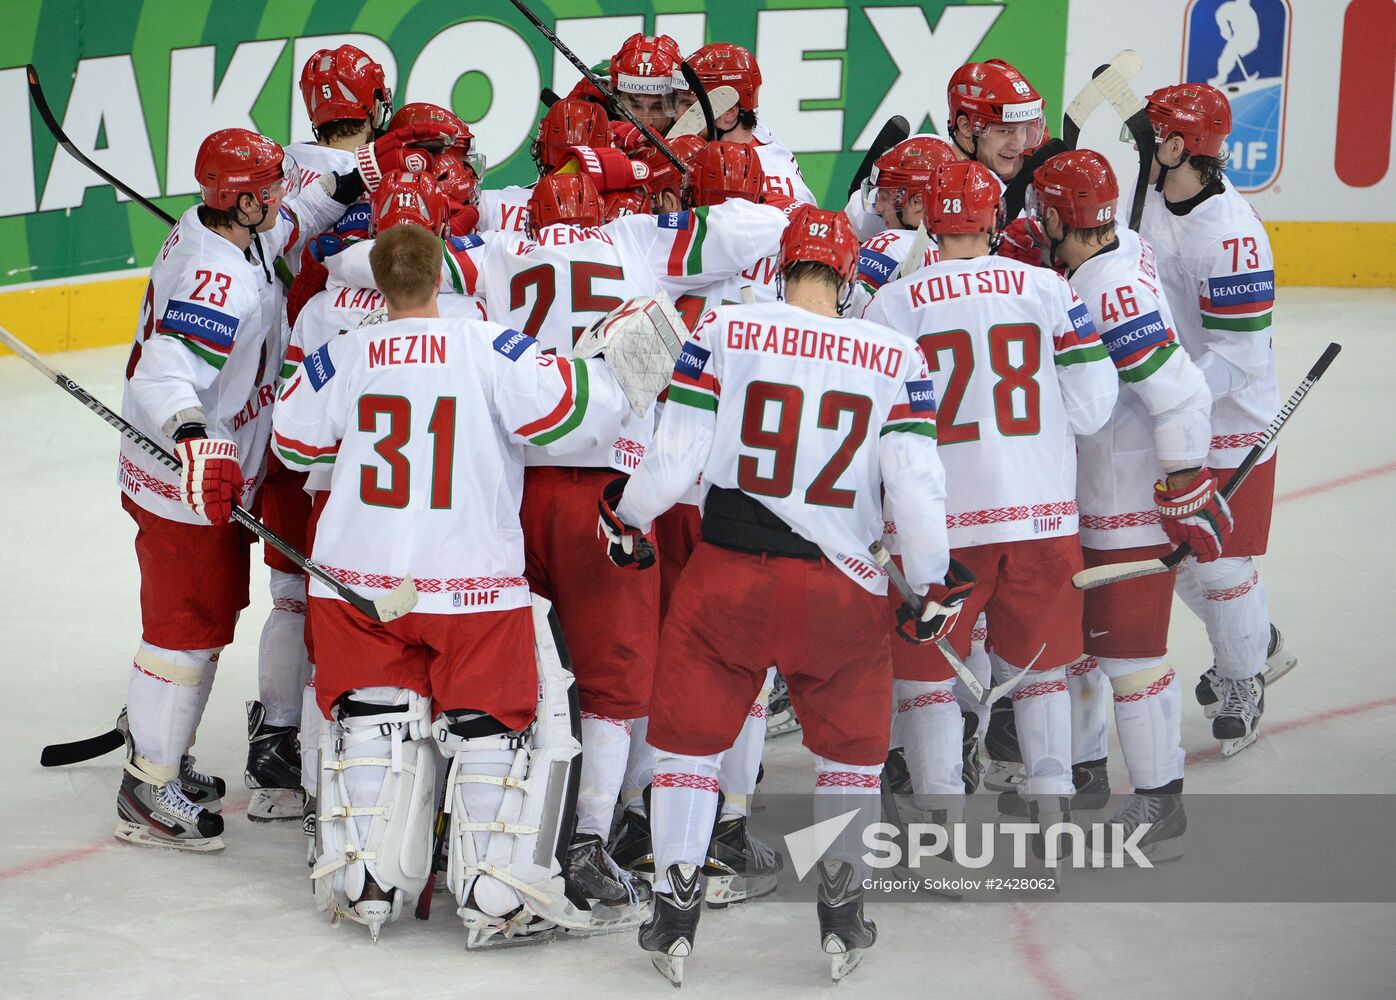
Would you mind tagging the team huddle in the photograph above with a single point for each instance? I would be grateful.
(640, 436)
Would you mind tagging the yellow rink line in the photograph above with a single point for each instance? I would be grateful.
(96, 313)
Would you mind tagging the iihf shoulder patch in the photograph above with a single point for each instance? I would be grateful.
(318, 367)
(512, 344)
(469, 242)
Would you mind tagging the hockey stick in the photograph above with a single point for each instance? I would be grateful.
(36, 94)
(692, 121)
(63, 754)
(599, 84)
(1099, 576)
(919, 243)
(396, 604)
(548, 97)
(1113, 84)
(438, 851)
(893, 131)
(700, 93)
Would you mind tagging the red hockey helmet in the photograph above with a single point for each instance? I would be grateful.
(234, 161)
(570, 122)
(1080, 185)
(345, 83)
(1198, 112)
(964, 200)
(421, 113)
(722, 170)
(409, 199)
(723, 64)
(823, 237)
(567, 199)
(646, 64)
(456, 178)
(908, 168)
(664, 176)
(615, 204)
(994, 93)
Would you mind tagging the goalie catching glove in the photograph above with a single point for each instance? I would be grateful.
(1194, 514)
(641, 339)
(940, 608)
(627, 547)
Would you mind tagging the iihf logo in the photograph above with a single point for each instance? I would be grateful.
(1241, 47)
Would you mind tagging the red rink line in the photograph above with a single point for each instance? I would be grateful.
(79, 853)
(1333, 484)
(1302, 723)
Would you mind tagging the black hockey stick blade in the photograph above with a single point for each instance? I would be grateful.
(383, 609)
(36, 94)
(893, 131)
(700, 92)
(63, 754)
(1015, 193)
(613, 102)
(1099, 576)
(547, 97)
(1142, 130)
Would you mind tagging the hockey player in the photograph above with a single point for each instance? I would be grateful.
(898, 191)
(424, 422)
(996, 116)
(201, 379)
(642, 77)
(722, 64)
(1018, 370)
(1143, 487)
(780, 575)
(570, 122)
(349, 104)
(1215, 263)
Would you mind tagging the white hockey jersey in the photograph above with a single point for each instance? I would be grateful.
(880, 260)
(460, 267)
(1018, 371)
(505, 210)
(425, 422)
(1219, 275)
(315, 161)
(813, 417)
(1162, 420)
(782, 172)
(210, 337)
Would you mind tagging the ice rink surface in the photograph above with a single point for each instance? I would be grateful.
(83, 916)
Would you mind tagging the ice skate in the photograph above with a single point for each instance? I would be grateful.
(616, 898)
(1090, 780)
(673, 927)
(1278, 660)
(484, 932)
(1208, 692)
(780, 716)
(750, 867)
(1004, 770)
(631, 847)
(273, 769)
(1237, 723)
(162, 816)
(844, 933)
(1162, 842)
(894, 772)
(204, 790)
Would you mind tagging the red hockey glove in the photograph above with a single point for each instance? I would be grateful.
(1023, 240)
(310, 280)
(1195, 515)
(941, 607)
(626, 137)
(609, 169)
(464, 220)
(411, 148)
(627, 547)
(211, 479)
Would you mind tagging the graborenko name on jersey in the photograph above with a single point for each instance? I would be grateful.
(997, 281)
(407, 349)
(820, 345)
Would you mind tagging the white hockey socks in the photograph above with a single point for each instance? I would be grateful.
(1042, 713)
(742, 763)
(1148, 717)
(1090, 727)
(282, 666)
(605, 750)
(683, 808)
(639, 767)
(931, 730)
(313, 723)
(838, 789)
(164, 701)
(1230, 599)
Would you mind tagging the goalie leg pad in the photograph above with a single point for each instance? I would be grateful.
(511, 796)
(376, 807)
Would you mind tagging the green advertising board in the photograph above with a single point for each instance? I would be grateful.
(140, 84)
